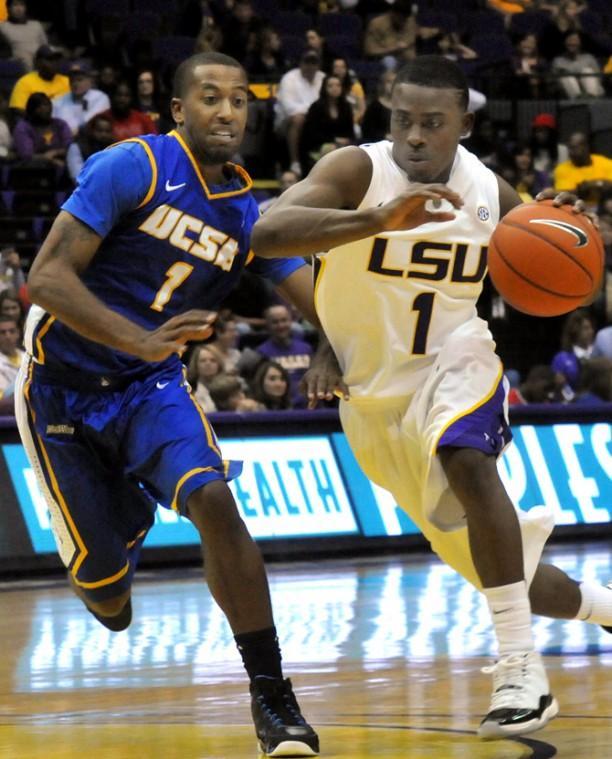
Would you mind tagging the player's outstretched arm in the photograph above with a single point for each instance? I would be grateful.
(319, 213)
(55, 284)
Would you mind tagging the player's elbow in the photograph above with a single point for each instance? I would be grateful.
(265, 239)
(41, 286)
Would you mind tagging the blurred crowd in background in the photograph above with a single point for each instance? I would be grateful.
(78, 75)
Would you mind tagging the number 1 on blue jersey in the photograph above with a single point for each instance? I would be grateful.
(175, 276)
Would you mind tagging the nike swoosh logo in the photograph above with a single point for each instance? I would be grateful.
(581, 237)
(172, 187)
(161, 385)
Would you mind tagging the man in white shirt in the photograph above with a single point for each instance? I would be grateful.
(83, 101)
(24, 35)
(297, 91)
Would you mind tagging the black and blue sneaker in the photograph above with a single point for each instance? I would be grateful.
(280, 727)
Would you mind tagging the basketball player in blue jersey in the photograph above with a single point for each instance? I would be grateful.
(140, 256)
(404, 226)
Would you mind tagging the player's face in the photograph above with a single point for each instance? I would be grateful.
(213, 112)
(426, 126)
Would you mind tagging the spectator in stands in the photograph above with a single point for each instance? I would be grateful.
(317, 42)
(108, 76)
(377, 117)
(540, 386)
(11, 306)
(576, 347)
(579, 73)
(227, 394)
(565, 17)
(595, 382)
(97, 135)
(11, 274)
(10, 354)
(266, 62)
(39, 136)
(209, 37)
(391, 36)
(205, 364)
(83, 101)
(485, 142)
(351, 87)
(544, 142)
(588, 174)
(602, 345)
(226, 343)
(529, 67)
(271, 386)
(297, 91)
(149, 101)
(286, 180)
(328, 124)
(450, 45)
(6, 138)
(24, 35)
(44, 79)
(239, 30)
(290, 352)
(127, 121)
(523, 176)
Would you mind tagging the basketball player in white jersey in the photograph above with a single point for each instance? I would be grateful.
(405, 225)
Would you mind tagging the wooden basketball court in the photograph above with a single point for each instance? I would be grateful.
(385, 656)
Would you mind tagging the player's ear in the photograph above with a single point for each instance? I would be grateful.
(467, 124)
(176, 108)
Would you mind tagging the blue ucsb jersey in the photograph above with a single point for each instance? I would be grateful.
(170, 243)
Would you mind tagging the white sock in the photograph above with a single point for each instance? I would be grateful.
(511, 615)
(596, 605)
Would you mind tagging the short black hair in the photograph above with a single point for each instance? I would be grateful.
(183, 73)
(435, 71)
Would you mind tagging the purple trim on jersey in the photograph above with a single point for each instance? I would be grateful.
(485, 428)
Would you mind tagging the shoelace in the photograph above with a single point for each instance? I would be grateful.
(508, 681)
(287, 705)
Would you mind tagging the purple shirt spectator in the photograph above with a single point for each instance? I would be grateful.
(293, 354)
(295, 358)
(28, 140)
(37, 133)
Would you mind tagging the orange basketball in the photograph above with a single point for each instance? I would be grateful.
(546, 260)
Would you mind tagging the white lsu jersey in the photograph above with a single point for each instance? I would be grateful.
(388, 302)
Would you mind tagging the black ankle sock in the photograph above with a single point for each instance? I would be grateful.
(260, 652)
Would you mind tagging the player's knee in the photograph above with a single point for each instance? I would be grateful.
(213, 510)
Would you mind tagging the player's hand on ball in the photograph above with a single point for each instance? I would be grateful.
(171, 337)
(566, 198)
(418, 206)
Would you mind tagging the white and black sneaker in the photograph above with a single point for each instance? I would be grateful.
(279, 724)
(521, 700)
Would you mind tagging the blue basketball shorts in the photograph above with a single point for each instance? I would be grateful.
(104, 457)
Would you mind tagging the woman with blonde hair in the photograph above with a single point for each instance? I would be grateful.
(205, 364)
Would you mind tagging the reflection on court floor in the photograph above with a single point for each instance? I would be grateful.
(386, 653)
